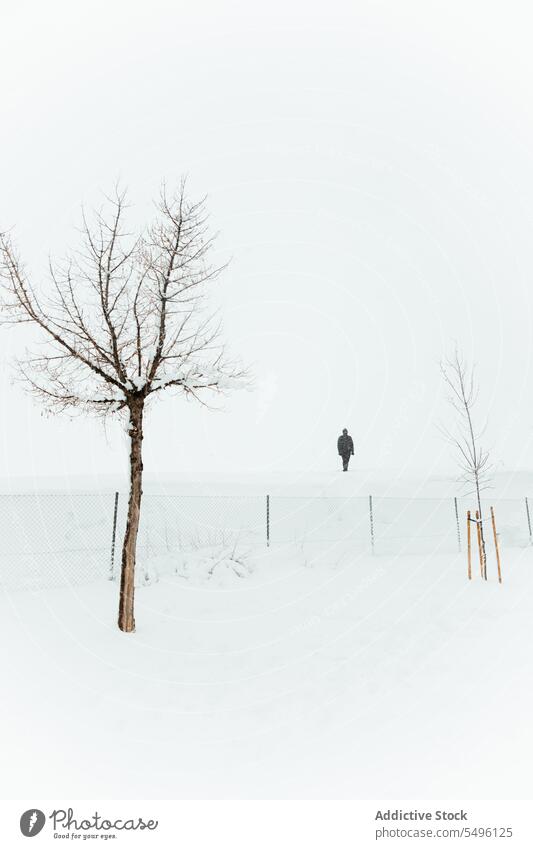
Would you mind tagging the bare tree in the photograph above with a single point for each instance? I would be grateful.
(122, 321)
(473, 459)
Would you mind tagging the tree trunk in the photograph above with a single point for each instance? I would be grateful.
(483, 549)
(126, 618)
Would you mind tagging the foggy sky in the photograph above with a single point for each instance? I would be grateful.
(369, 168)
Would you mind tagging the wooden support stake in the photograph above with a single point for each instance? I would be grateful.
(496, 544)
(469, 544)
(478, 526)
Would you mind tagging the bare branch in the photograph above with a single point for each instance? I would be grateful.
(474, 461)
(125, 316)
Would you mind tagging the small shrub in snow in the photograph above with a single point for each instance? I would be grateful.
(146, 575)
(220, 565)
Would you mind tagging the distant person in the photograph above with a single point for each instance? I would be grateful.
(345, 448)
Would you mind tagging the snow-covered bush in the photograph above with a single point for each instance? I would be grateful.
(221, 564)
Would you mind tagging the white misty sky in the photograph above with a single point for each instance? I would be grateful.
(369, 167)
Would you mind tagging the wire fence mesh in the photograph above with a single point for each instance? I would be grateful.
(177, 522)
(54, 539)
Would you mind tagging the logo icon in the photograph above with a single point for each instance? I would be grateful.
(32, 822)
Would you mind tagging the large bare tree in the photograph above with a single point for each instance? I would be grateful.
(123, 320)
(474, 459)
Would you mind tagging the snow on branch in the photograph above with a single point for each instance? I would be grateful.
(125, 316)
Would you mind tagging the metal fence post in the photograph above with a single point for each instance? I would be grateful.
(112, 568)
(371, 522)
(528, 521)
(268, 520)
(457, 523)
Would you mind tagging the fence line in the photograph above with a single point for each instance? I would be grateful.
(456, 506)
(49, 539)
(371, 510)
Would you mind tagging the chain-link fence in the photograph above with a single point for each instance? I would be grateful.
(51, 539)
(177, 522)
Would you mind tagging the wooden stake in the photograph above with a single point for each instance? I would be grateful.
(479, 542)
(468, 538)
(496, 544)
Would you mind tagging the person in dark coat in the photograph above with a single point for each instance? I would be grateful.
(345, 448)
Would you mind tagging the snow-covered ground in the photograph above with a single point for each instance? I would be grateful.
(359, 481)
(293, 672)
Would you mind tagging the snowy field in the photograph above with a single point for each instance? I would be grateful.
(302, 670)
